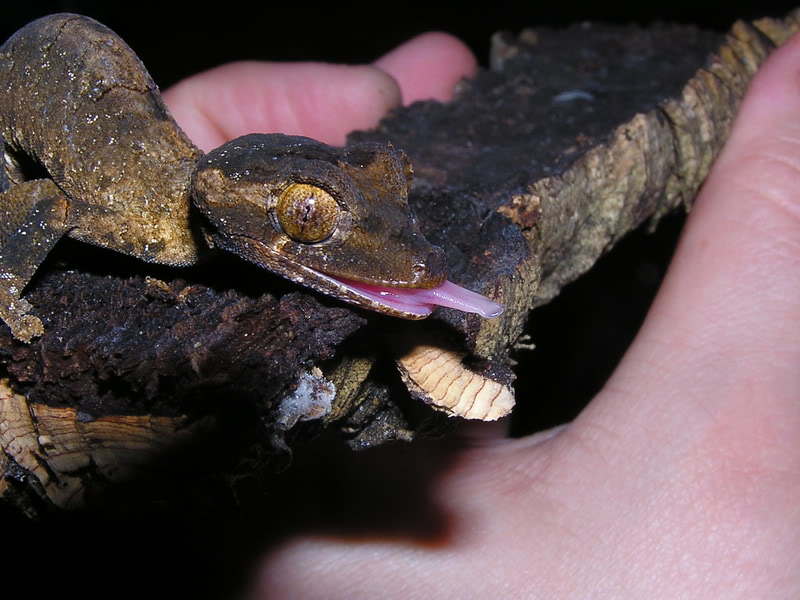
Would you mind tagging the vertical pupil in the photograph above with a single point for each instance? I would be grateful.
(307, 213)
(310, 207)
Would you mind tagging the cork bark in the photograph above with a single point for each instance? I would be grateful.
(542, 164)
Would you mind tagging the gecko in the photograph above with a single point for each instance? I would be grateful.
(92, 153)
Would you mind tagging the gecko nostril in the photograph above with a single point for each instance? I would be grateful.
(432, 270)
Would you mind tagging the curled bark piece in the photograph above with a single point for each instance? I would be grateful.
(55, 450)
(438, 376)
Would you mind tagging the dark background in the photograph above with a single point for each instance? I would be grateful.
(178, 39)
(579, 337)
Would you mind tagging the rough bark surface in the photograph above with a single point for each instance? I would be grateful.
(541, 165)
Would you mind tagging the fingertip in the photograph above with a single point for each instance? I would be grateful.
(429, 66)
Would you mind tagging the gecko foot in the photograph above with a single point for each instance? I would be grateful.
(24, 326)
(27, 328)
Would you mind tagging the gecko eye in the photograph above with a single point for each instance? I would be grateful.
(307, 213)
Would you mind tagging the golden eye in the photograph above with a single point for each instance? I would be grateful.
(307, 213)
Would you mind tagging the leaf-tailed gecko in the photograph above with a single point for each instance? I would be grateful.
(91, 152)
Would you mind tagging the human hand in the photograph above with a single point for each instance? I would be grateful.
(680, 480)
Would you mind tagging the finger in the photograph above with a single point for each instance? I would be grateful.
(429, 66)
(317, 100)
(720, 349)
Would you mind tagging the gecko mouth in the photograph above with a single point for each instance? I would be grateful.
(406, 303)
(420, 301)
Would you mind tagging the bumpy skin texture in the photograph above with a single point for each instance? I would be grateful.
(76, 103)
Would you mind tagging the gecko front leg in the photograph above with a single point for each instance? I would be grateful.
(33, 217)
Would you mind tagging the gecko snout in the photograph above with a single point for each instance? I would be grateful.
(431, 271)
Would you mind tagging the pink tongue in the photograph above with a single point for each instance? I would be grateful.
(421, 301)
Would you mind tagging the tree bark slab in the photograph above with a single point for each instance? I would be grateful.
(542, 164)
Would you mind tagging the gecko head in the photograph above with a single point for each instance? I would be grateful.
(335, 220)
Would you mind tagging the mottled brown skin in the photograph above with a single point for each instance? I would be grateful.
(91, 152)
(375, 238)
